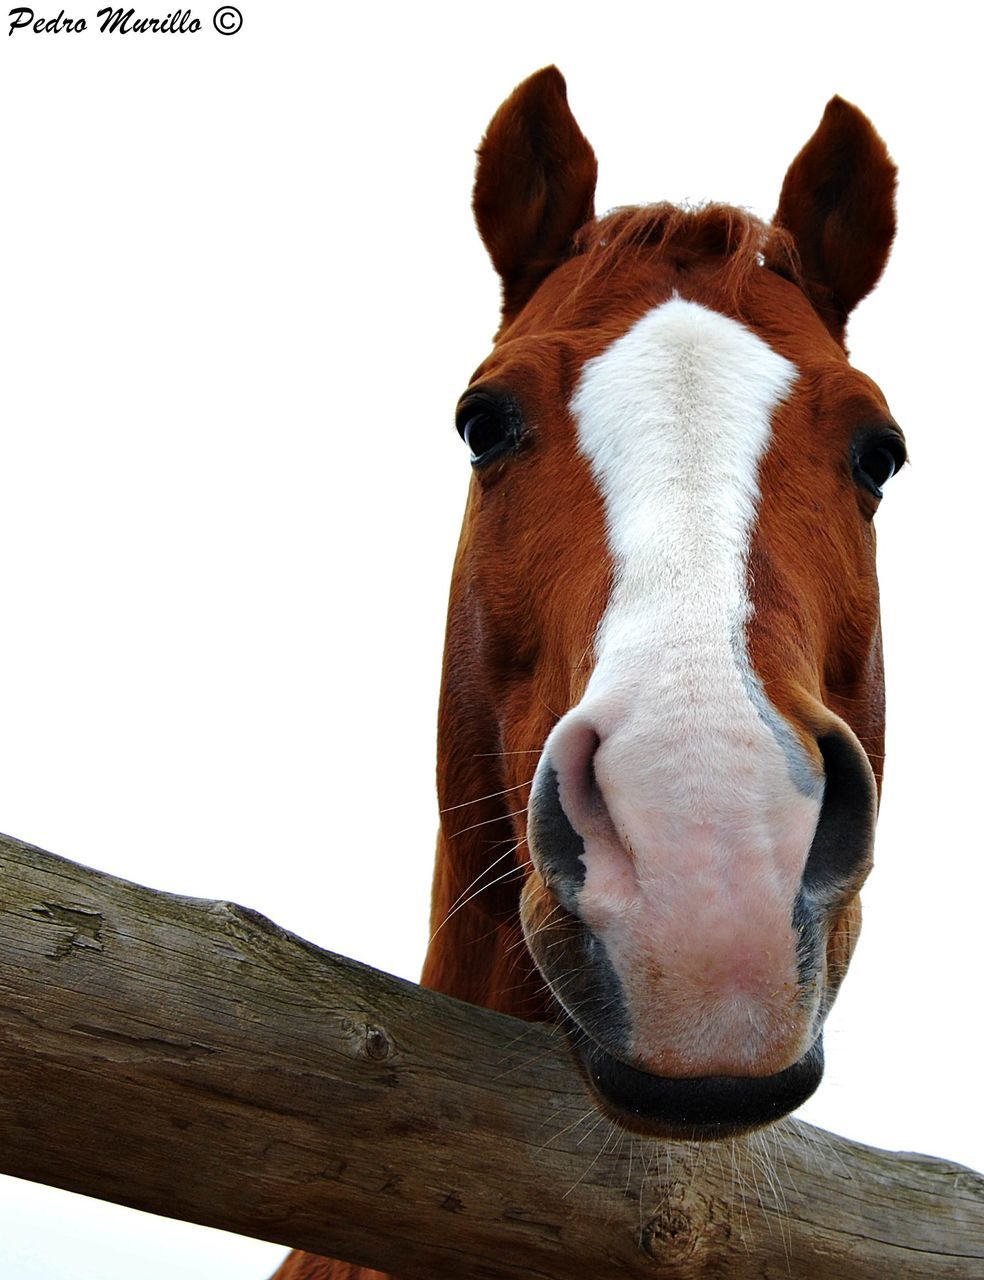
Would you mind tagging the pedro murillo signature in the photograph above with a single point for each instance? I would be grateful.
(122, 21)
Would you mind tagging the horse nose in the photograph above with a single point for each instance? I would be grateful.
(572, 808)
(686, 882)
(702, 863)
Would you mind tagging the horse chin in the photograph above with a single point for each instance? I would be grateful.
(702, 1110)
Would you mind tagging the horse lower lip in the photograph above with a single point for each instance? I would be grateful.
(707, 1108)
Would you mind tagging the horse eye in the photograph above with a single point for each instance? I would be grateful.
(489, 427)
(483, 433)
(877, 460)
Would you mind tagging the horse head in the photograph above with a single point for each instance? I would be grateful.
(661, 726)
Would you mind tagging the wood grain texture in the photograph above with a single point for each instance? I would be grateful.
(192, 1059)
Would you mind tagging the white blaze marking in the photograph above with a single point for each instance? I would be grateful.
(703, 781)
(674, 418)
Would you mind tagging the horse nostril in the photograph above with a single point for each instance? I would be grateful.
(572, 837)
(840, 855)
(555, 846)
(566, 807)
(571, 752)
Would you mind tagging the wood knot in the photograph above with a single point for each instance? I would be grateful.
(670, 1235)
(676, 1231)
(378, 1045)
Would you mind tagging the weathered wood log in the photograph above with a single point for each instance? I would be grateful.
(192, 1059)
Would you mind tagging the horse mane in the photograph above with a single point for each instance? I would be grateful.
(739, 241)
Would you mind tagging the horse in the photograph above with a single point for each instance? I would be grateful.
(661, 722)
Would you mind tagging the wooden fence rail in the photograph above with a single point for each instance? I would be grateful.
(192, 1059)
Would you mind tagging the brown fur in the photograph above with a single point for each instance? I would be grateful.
(305, 1266)
(532, 573)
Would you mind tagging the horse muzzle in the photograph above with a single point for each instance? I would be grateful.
(696, 974)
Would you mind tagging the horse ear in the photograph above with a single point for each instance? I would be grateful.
(838, 203)
(534, 186)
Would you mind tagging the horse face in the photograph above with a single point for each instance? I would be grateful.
(669, 559)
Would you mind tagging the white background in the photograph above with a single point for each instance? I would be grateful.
(241, 294)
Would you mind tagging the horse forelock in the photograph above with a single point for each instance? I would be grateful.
(722, 235)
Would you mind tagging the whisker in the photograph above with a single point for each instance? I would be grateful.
(601, 1151)
(498, 880)
(499, 817)
(480, 875)
(491, 796)
(574, 1125)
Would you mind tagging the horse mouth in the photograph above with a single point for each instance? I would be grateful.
(695, 1109)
